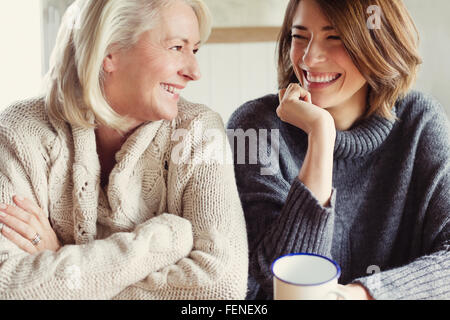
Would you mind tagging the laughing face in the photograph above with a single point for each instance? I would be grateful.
(322, 64)
(145, 81)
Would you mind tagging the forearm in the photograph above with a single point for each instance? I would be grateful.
(302, 225)
(217, 266)
(99, 270)
(317, 170)
(425, 278)
(216, 269)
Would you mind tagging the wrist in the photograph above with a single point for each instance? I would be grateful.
(359, 292)
(322, 141)
(323, 132)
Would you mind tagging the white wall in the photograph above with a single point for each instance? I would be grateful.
(249, 13)
(233, 74)
(20, 54)
(432, 20)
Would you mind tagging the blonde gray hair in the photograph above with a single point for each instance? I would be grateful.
(90, 28)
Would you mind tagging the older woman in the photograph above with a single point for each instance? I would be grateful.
(96, 205)
(364, 174)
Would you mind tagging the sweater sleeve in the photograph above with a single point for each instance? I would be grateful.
(282, 216)
(217, 265)
(428, 275)
(98, 270)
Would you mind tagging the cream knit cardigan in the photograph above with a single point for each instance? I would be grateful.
(161, 229)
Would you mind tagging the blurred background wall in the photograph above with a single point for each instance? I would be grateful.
(432, 20)
(21, 50)
(234, 71)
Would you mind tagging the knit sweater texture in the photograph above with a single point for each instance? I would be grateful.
(161, 229)
(388, 224)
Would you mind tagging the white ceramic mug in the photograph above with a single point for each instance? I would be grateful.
(306, 276)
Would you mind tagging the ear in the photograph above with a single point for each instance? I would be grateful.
(110, 63)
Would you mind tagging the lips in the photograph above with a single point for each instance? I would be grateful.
(171, 88)
(321, 77)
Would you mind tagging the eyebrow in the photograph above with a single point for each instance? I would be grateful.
(186, 41)
(300, 27)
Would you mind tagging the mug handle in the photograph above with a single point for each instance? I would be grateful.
(339, 294)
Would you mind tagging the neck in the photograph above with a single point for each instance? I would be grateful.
(109, 140)
(349, 112)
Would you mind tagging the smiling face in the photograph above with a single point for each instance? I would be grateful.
(144, 82)
(322, 64)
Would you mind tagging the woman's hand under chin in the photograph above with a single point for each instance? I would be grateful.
(316, 172)
(297, 109)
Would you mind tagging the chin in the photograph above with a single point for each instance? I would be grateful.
(322, 102)
(170, 117)
(169, 114)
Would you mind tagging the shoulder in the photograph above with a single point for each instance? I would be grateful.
(424, 125)
(421, 116)
(257, 113)
(27, 122)
(419, 107)
(24, 110)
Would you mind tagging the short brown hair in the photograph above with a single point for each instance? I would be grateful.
(387, 57)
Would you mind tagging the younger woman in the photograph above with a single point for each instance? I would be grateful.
(364, 173)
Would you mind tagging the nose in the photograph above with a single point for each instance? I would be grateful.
(191, 69)
(314, 54)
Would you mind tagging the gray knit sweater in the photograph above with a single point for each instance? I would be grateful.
(388, 225)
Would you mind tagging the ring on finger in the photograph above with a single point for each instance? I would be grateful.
(36, 240)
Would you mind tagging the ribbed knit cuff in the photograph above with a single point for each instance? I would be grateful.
(304, 224)
(426, 278)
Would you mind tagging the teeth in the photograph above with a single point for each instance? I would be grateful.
(321, 79)
(170, 89)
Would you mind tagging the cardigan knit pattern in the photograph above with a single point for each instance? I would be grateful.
(388, 224)
(161, 229)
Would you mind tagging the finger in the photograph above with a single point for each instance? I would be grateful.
(281, 94)
(30, 207)
(296, 92)
(279, 112)
(18, 240)
(305, 95)
(26, 217)
(24, 229)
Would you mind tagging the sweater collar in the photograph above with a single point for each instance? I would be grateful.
(364, 138)
(86, 176)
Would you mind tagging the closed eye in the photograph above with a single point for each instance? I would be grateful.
(297, 36)
(334, 38)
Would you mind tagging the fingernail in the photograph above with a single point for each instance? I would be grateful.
(2, 214)
(6, 229)
(19, 198)
(3, 206)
